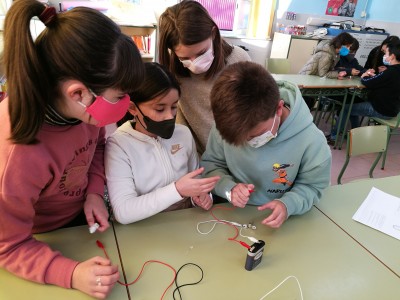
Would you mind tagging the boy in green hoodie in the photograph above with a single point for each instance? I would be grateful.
(264, 144)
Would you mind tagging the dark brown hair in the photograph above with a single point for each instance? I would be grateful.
(394, 48)
(342, 39)
(377, 60)
(243, 95)
(157, 81)
(354, 47)
(81, 44)
(189, 23)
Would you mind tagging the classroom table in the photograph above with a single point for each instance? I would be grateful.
(340, 202)
(76, 243)
(312, 85)
(328, 263)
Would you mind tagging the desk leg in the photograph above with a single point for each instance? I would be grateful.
(318, 113)
(340, 122)
(347, 119)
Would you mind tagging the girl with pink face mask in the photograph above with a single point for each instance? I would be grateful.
(61, 92)
(193, 50)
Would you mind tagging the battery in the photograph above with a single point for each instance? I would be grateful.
(254, 255)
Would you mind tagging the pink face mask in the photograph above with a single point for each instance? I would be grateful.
(106, 112)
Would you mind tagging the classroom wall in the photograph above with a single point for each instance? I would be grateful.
(379, 14)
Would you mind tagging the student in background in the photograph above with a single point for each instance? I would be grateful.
(383, 90)
(152, 164)
(375, 57)
(327, 55)
(191, 47)
(349, 63)
(62, 88)
(325, 58)
(264, 144)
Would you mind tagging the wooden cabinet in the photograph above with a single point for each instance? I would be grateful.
(145, 39)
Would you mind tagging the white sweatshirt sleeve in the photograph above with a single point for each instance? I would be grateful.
(121, 170)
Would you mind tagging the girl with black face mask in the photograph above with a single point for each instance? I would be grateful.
(152, 163)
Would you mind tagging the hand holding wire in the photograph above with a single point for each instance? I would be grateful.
(240, 194)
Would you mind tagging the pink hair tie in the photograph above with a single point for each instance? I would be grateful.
(48, 15)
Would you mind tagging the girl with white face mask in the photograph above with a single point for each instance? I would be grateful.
(266, 149)
(193, 50)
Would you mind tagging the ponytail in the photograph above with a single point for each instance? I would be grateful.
(26, 79)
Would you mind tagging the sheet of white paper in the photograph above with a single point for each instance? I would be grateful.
(380, 211)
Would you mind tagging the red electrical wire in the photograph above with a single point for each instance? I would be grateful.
(101, 246)
(227, 223)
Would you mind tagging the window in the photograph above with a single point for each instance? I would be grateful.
(250, 18)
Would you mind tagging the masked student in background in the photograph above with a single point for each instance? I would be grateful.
(325, 58)
(349, 63)
(62, 89)
(383, 91)
(264, 144)
(375, 56)
(191, 47)
(152, 164)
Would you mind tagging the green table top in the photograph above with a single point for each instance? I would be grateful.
(316, 82)
(340, 202)
(76, 243)
(328, 263)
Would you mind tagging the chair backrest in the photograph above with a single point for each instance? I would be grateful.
(392, 123)
(367, 139)
(278, 65)
(363, 140)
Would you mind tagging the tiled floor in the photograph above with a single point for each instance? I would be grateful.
(359, 165)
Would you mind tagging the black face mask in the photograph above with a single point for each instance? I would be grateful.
(163, 129)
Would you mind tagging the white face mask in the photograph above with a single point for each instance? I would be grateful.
(202, 63)
(264, 138)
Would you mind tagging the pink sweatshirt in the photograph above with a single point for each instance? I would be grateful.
(43, 187)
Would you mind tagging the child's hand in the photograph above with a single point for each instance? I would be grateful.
(95, 277)
(381, 69)
(354, 72)
(278, 214)
(204, 201)
(189, 185)
(96, 211)
(240, 194)
(342, 74)
(369, 72)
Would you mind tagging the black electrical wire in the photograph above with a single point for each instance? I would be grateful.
(180, 286)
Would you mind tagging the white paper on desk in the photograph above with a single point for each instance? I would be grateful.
(380, 211)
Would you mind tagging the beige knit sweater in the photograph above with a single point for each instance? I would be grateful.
(194, 109)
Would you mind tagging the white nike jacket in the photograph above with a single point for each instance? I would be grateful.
(141, 170)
